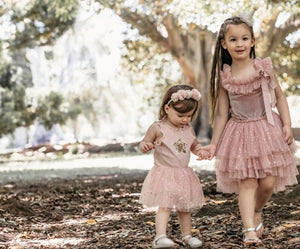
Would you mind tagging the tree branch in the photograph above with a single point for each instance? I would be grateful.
(144, 24)
(290, 26)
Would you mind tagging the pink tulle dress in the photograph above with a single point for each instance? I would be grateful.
(171, 183)
(252, 143)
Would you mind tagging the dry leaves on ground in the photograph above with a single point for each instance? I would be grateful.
(104, 212)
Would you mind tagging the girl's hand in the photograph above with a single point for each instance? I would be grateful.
(287, 134)
(202, 154)
(207, 152)
(146, 146)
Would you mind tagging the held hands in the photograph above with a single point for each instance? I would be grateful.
(146, 146)
(206, 152)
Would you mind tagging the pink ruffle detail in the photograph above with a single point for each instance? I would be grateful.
(254, 149)
(264, 65)
(243, 86)
(174, 188)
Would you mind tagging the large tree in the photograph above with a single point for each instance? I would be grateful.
(187, 30)
(26, 24)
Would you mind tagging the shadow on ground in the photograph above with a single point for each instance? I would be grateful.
(103, 211)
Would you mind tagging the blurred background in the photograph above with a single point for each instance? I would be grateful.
(94, 71)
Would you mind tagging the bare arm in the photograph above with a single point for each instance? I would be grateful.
(284, 113)
(221, 118)
(150, 137)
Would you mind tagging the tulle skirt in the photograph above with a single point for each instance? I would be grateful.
(254, 149)
(175, 188)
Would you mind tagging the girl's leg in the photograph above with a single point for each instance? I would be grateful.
(161, 220)
(264, 191)
(263, 194)
(247, 201)
(186, 227)
(185, 222)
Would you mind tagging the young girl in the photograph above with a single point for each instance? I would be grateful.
(252, 144)
(171, 184)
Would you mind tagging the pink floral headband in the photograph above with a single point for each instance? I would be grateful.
(185, 94)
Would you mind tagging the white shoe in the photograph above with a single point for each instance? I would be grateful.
(193, 242)
(161, 241)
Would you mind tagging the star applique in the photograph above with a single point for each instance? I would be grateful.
(180, 146)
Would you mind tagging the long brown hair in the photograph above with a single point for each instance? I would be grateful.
(221, 57)
(181, 106)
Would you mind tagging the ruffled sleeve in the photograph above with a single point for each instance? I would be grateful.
(265, 68)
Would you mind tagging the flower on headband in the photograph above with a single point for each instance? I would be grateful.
(185, 94)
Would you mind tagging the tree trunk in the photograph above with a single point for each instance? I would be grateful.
(192, 50)
(192, 47)
(199, 75)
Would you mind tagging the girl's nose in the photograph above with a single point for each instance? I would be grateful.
(239, 43)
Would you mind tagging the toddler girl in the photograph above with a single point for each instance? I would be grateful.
(171, 184)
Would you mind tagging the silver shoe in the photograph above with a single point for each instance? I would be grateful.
(192, 242)
(161, 241)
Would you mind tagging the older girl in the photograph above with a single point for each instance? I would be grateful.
(252, 144)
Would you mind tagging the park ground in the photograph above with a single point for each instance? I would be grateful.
(101, 210)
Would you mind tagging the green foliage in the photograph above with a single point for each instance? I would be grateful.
(74, 109)
(28, 24)
(287, 56)
(14, 112)
(5, 75)
(39, 22)
(17, 111)
(151, 67)
(193, 14)
(199, 13)
(52, 110)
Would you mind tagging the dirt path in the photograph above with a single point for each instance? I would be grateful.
(90, 212)
(93, 203)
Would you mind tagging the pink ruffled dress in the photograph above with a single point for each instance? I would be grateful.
(252, 143)
(171, 183)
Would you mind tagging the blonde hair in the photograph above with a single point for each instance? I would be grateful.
(181, 106)
(221, 57)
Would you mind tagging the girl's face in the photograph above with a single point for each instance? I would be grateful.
(238, 41)
(178, 119)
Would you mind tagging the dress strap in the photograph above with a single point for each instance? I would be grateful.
(267, 101)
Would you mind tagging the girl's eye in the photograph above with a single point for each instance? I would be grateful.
(232, 40)
(245, 38)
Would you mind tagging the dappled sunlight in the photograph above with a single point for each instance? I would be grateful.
(42, 234)
(54, 243)
(104, 212)
(28, 237)
(114, 216)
